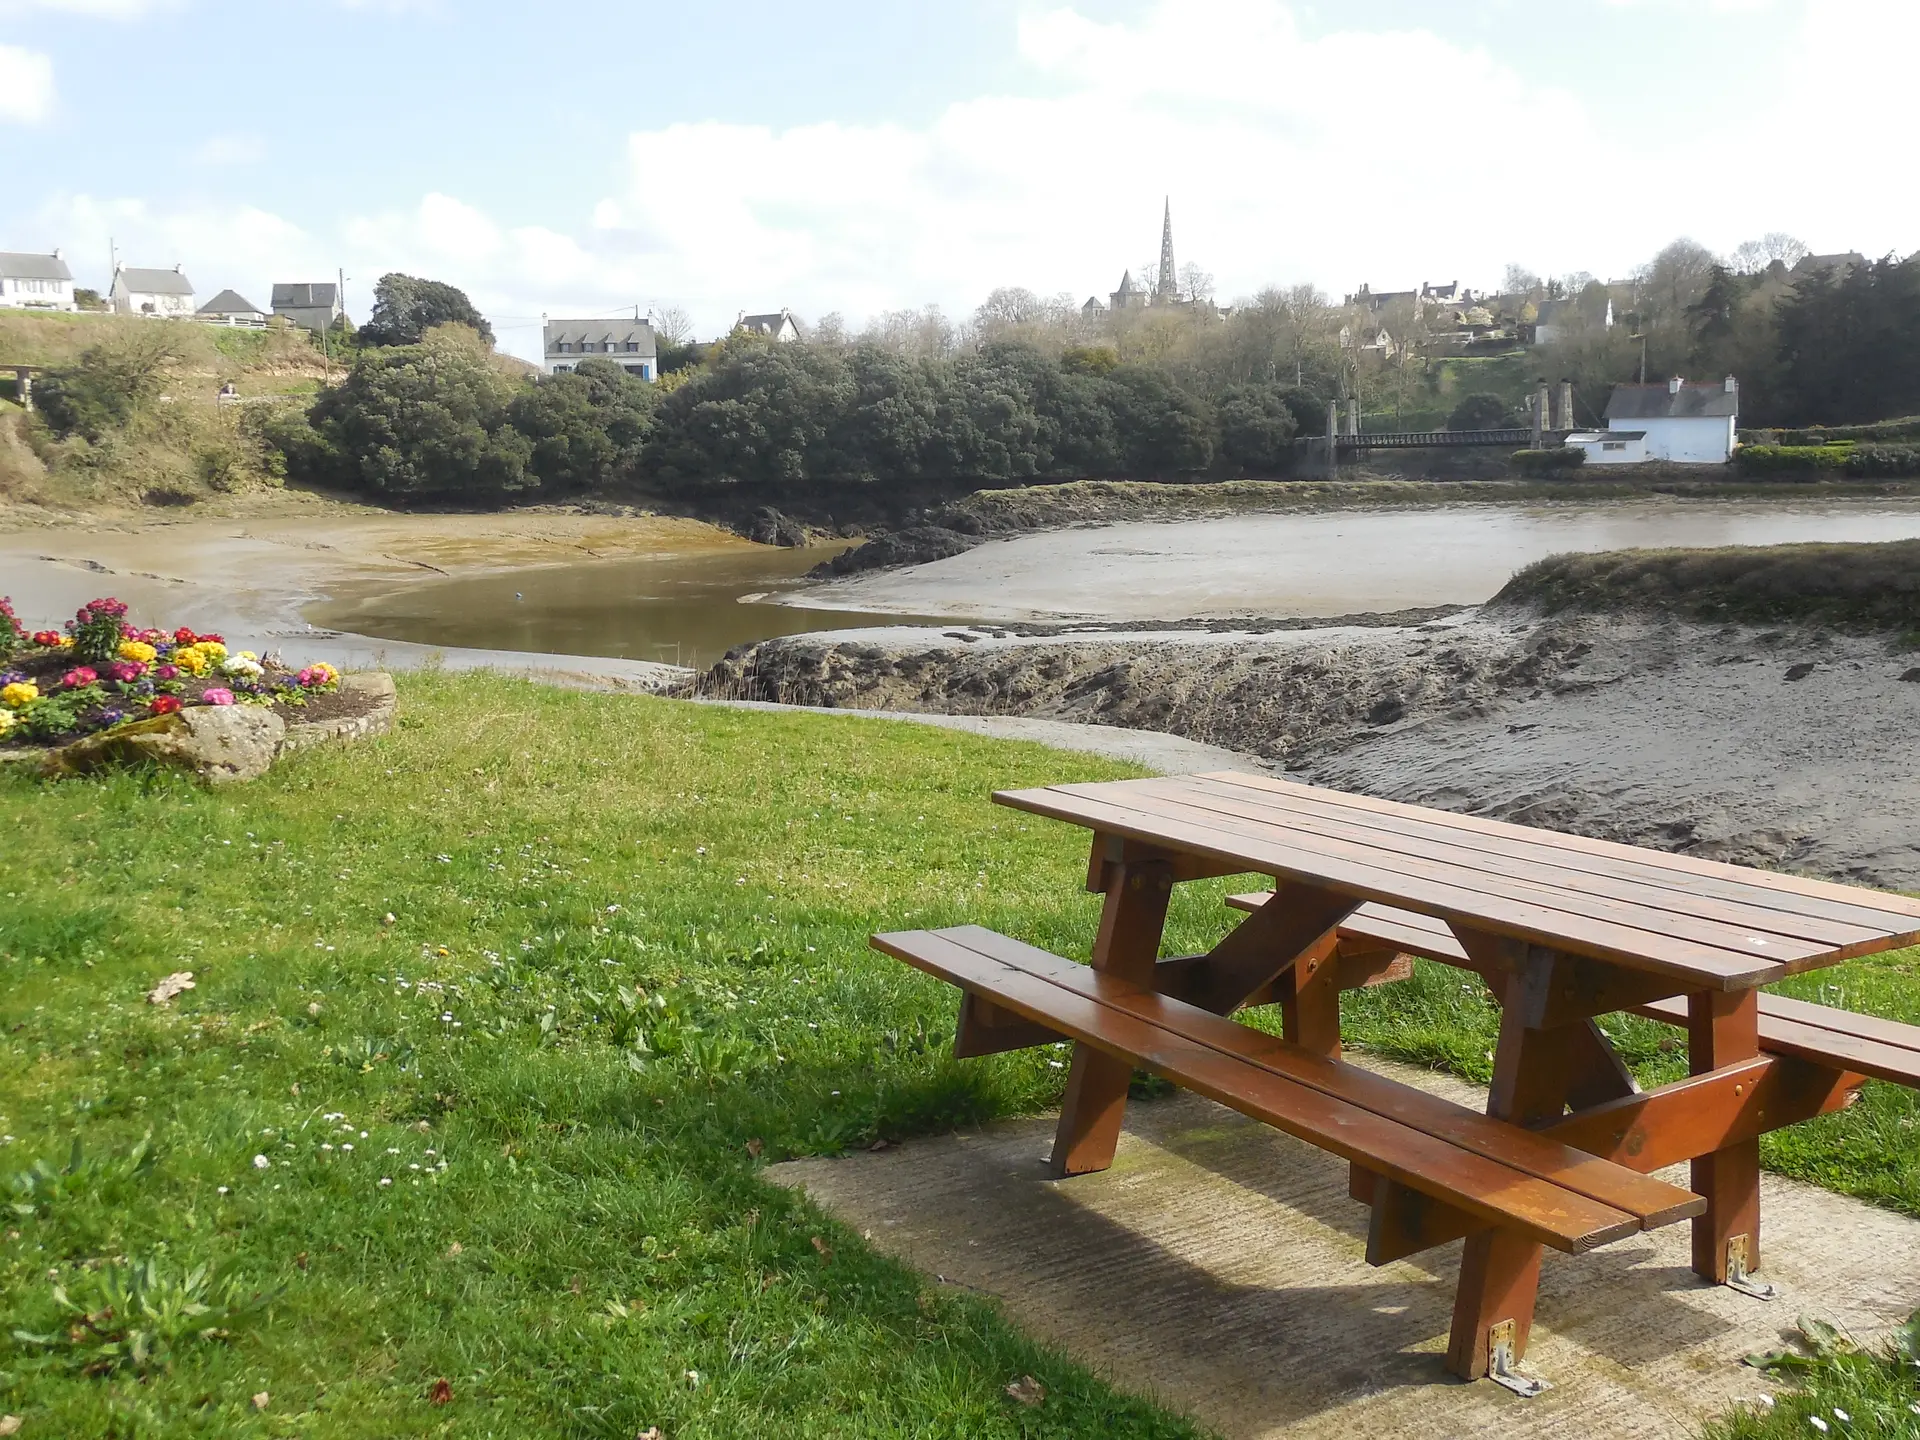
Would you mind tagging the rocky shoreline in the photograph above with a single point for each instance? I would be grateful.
(1786, 747)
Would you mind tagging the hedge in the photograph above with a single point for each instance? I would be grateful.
(1548, 462)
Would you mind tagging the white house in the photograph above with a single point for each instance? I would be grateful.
(1555, 317)
(1611, 447)
(36, 282)
(1687, 423)
(780, 326)
(230, 307)
(151, 292)
(312, 306)
(630, 344)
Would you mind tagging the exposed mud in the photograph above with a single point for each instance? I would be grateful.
(1788, 747)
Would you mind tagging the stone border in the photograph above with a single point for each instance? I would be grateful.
(378, 687)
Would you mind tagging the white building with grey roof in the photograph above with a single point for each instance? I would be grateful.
(1677, 420)
(163, 293)
(630, 344)
(36, 282)
(310, 305)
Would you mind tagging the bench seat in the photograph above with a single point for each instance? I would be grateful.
(1504, 1177)
(1861, 1044)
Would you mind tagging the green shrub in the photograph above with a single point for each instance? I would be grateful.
(1556, 461)
(111, 383)
(1804, 460)
(1481, 411)
(1871, 461)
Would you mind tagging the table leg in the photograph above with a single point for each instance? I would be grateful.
(1724, 1029)
(1500, 1273)
(1131, 922)
(1310, 1001)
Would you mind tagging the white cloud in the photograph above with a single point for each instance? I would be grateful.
(224, 150)
(107, 9)
(26, 85)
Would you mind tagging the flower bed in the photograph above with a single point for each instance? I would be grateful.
(98, 671)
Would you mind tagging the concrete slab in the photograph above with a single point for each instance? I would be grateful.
(1218, 1266)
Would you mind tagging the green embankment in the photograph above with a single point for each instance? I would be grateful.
(1867, 586)
(626, 969)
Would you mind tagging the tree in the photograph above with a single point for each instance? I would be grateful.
(1480, 411)
(406, 308)
(585, 426)
(1520, 281)
(111, 382)
(1196, 285)
(1256, 428)
(673, 324)
(424, 422)
(1751, 257)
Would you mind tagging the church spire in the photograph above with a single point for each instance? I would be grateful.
(1167, 289)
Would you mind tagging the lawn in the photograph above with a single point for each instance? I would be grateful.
(495, 1021)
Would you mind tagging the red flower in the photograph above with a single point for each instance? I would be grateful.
(164, 704)
(216, 639)
(184, 636)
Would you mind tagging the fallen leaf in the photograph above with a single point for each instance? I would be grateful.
(755, 1146)
(826, 1250)
(454, 1249)
(652, 1432)
(10, 1424)
(262, 1400)
(174, 984)
(576, 1285)
(441, 1393)
(296, 1092)
(300, 1261)
(1027, 1390)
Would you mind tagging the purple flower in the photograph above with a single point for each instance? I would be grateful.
(167, 672)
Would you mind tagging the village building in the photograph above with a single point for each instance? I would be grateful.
(1678, 421)
(630, 344)
(1555, 319)
(167, 294)
(1130, 295)
(36, 282)
(230, 307)
(779, 326)
(310, 305)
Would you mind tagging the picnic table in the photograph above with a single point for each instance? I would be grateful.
(1562, 929)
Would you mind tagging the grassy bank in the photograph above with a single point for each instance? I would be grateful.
(626, 968)
(1871, 586)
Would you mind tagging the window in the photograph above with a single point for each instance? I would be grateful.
(639, 370)
(633, 346)
(1613, 445)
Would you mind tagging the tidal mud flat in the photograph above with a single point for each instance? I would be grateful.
(1788, 746)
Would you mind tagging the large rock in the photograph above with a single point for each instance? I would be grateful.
(217, 743)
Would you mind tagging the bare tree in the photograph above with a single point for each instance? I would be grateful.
(1196, 285)
(1750, 257)
(1519, 280)
(829, 331)
(672, 324)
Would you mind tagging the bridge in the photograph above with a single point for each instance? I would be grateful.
(1441, 439)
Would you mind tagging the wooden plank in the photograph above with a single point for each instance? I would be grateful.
(1542, 863)
(1656, 1202)
(1781, 1035)
(985, 1029)
(1545, 1213)
(1819, 897)
(1393, 928)
(1274, 854)
(1266, 946)
(1745, 930)
(1723, 1030)
(1499, 1279)
(1844, 1022)
(1703, 1113)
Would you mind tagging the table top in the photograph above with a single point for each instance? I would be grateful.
(1712, 925)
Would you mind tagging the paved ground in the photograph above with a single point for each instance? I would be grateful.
(1218, 1266)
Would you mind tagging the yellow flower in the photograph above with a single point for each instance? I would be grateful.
(18, 695)
(7, 721)
(213, 650)
(137, 651)
(65, 642)
(191, 659)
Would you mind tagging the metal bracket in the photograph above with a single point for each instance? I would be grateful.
(1501, 1367)
(1739, 1277)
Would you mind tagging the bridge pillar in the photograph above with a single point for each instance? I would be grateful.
(1333, 439)
(1539, 417)
(1564, 419)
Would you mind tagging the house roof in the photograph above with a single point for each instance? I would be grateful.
(305, 297)
(601, 332)
(1657, 402)
(1125, 287)
(1595, 437)
(154, 282)
(766, 324)
(230, 302)
(1846, 260)
(17, 266)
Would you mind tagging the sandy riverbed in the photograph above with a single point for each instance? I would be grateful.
(1789, 747)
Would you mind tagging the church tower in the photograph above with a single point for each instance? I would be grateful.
(1168, 289)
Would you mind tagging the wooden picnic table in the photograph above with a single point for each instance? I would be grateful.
(1563, 929)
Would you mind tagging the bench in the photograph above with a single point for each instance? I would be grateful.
(1861, 1044)
(1443, 1170)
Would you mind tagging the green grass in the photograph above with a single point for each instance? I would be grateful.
(627, 969)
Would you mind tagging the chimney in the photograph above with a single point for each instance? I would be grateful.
(56, 253)
(1733, 386)
(1673, 385)
(180, 268)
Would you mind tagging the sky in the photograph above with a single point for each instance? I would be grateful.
(859, 156)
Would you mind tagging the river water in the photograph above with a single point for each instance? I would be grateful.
(689, 610)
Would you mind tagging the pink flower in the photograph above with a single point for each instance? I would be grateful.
(79, 676)
(216, 696)
(166, 672)
(125, 670)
